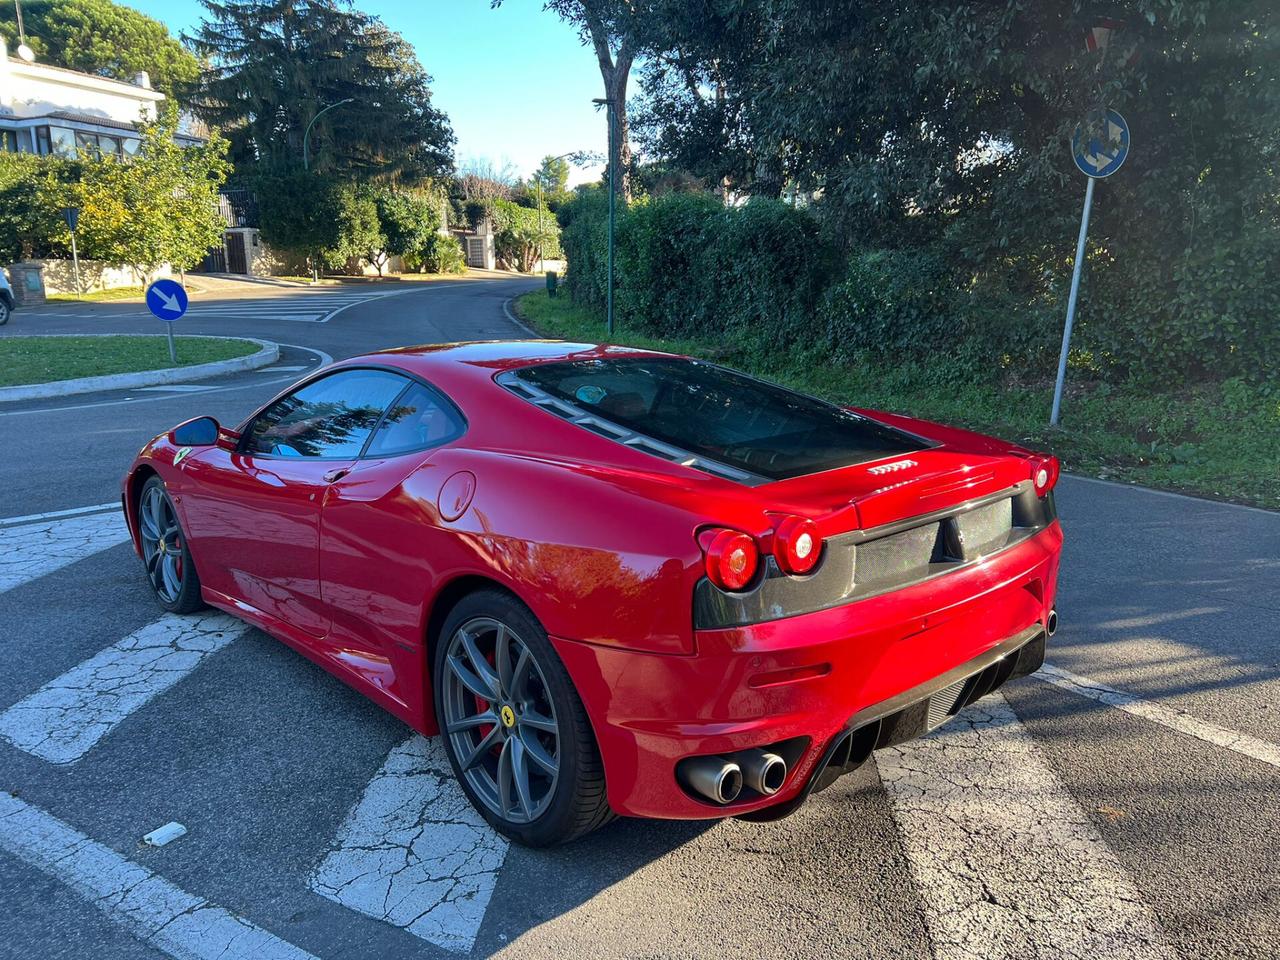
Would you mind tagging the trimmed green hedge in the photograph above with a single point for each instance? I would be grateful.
(763, 275)
(686, 264)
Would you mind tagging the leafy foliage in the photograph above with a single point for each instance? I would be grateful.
(941, 129)
(521, 233)
(441, 254)
(159, 206)
(105, 38)
(686, 264)
(277, 63)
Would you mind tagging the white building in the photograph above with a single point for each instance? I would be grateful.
(49, 110)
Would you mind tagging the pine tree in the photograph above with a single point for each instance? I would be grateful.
(274, 64)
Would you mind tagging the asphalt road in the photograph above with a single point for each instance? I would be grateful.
(1122, 804)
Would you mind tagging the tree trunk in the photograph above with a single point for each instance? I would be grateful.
(615, 71)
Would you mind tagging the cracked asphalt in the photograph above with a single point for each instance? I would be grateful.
(1124, 806)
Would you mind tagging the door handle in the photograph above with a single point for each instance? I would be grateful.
(336, 474)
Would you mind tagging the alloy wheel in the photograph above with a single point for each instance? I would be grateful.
(500, 720)
(161, 544)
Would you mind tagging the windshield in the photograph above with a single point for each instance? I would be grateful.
(721, 415)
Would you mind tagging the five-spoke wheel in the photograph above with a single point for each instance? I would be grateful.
(513, 726)
(164, 551)
(500, 720)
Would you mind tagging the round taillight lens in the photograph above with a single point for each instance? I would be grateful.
(732, 559)
(796, 545)
(1044, 473)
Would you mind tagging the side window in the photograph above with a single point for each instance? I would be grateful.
(418, 419)
(331, 417)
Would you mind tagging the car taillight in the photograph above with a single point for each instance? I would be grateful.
(1044, 473)
(796, 545)
(731, 558)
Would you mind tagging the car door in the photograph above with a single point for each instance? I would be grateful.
(253, 513)
(381, 546)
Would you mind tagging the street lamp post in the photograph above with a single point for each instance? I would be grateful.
(608, 103)
(306, 136)
(306, 162)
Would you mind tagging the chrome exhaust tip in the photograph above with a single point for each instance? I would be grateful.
(1051, 623)
(763, 772)
(717, 779)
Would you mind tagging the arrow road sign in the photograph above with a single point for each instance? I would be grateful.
(1100, 143)
(166, 299)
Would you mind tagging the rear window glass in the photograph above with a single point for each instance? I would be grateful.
(721, 415)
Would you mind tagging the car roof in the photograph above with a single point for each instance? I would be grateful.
(465, 367)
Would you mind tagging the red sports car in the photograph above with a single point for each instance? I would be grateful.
(615, 581)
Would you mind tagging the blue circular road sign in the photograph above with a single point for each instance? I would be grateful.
(1101, 143)
(166, 299)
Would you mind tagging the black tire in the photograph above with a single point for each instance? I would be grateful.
(577, 803)
(5, 310)
(186, 597)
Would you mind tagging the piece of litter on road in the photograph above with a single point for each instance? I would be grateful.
(162, 835)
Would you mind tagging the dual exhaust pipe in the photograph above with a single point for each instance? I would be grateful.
(721, 779)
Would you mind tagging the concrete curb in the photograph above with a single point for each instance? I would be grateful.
(268, 354)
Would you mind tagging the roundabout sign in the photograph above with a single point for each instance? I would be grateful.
(1100, 143)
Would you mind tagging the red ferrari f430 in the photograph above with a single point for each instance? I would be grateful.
(615, 582)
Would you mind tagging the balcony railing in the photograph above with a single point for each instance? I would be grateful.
(239, 208)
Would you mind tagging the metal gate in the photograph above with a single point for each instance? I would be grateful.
(237, 259)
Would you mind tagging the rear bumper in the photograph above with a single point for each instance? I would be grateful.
(812, 679)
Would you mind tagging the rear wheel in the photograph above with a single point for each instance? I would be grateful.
(513, 726)
(165, 555)
(5, 310)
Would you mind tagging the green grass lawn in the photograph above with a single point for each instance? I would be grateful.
(99, 296)
(44, 359)
(1214, 440)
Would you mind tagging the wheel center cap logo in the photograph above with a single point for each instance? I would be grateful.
(508, 716)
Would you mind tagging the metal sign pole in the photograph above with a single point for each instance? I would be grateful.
(173, 354)
(1071, 303)
(75, 264)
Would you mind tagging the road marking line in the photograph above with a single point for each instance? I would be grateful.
(176, 387)
(506, 308)
(35, 550)
(66, 717)
(414, 853)
(1183, 723)
(1006, 862)
(51, 514)
(154, 910)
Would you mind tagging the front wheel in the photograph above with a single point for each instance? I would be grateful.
(5, 310)
(165, 555)
(513, 726)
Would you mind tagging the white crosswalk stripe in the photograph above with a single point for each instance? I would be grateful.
(414, 853)
(156, 911)
(1006, 862)
(302, 307)
(32, 550)
(66, 717)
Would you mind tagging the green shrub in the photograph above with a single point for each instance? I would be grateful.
(893, 302)
(441, 254)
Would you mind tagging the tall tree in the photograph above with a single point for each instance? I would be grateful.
(105, 38)
(275, 64)
(553, 175)
(612, 29)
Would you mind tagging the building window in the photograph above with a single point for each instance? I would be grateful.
(43, 146)
(9, 141)
(62, 142)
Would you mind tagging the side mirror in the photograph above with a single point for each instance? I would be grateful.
(200, 432)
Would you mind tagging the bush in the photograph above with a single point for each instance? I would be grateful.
(895, 303)
(441, 254)
(520, 231)
(688, 265)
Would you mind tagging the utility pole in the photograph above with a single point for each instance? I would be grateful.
(609, 103)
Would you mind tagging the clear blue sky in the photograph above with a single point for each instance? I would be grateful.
(515, 81)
